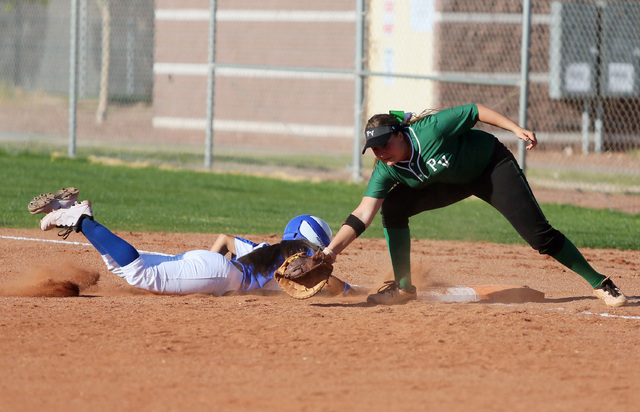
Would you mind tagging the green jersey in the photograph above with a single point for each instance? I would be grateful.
(444, 148)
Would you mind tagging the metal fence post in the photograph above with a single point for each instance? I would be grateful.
(82, 49)
(208, 155)
(73, 77)
(524, 78)
(356, 163)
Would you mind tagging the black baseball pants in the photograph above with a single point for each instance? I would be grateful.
(502, 184)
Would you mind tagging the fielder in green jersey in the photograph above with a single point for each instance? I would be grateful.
(433, 160)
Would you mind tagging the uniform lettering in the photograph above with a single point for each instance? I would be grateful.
(442, 162)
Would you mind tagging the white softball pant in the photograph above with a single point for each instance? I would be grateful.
(196, 271)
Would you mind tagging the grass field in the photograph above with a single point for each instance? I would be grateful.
(187, 201)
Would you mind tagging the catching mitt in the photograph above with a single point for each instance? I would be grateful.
(302, 276)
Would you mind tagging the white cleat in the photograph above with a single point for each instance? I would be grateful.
(67, 219)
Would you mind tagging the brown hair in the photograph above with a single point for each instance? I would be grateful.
(381, 120)
(267, 258)
(385, 119)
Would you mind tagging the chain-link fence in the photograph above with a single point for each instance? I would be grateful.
(285, 86)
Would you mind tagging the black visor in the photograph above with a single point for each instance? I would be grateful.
(379, 135)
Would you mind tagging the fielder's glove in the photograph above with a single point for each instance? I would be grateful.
(302, 276)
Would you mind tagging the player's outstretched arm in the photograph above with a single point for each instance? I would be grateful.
(365, 212)
(490, 116)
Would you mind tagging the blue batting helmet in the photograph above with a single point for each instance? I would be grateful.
(312, 228)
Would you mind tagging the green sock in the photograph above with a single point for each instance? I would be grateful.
(399, 244)
(571, 257)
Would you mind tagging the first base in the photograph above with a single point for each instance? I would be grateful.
(485, 293)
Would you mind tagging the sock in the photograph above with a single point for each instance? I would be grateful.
(399, 243)
(571, 257)
(108, 244)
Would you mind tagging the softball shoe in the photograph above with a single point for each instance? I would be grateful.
(67, 219)
(48, 202)
(610, 294)
(392, 294)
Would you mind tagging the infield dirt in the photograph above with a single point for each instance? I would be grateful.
(114, 347)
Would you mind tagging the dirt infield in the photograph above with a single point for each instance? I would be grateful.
(117, 348)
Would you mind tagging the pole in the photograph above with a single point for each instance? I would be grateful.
(208, 155)
(586, 121)
(524, 78)
(73, 77)
(597, 140)
(356, 163)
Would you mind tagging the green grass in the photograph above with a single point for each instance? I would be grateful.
(180, 155)
(156, 200)
(593, 177)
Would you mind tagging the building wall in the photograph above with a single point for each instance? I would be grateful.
(255, 34)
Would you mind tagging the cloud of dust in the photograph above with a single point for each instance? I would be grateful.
(422, 276)
(53, 280)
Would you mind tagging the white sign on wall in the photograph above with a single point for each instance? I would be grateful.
(621, 78)
(577, 78)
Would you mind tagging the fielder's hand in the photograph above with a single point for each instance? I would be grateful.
(528, 136)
